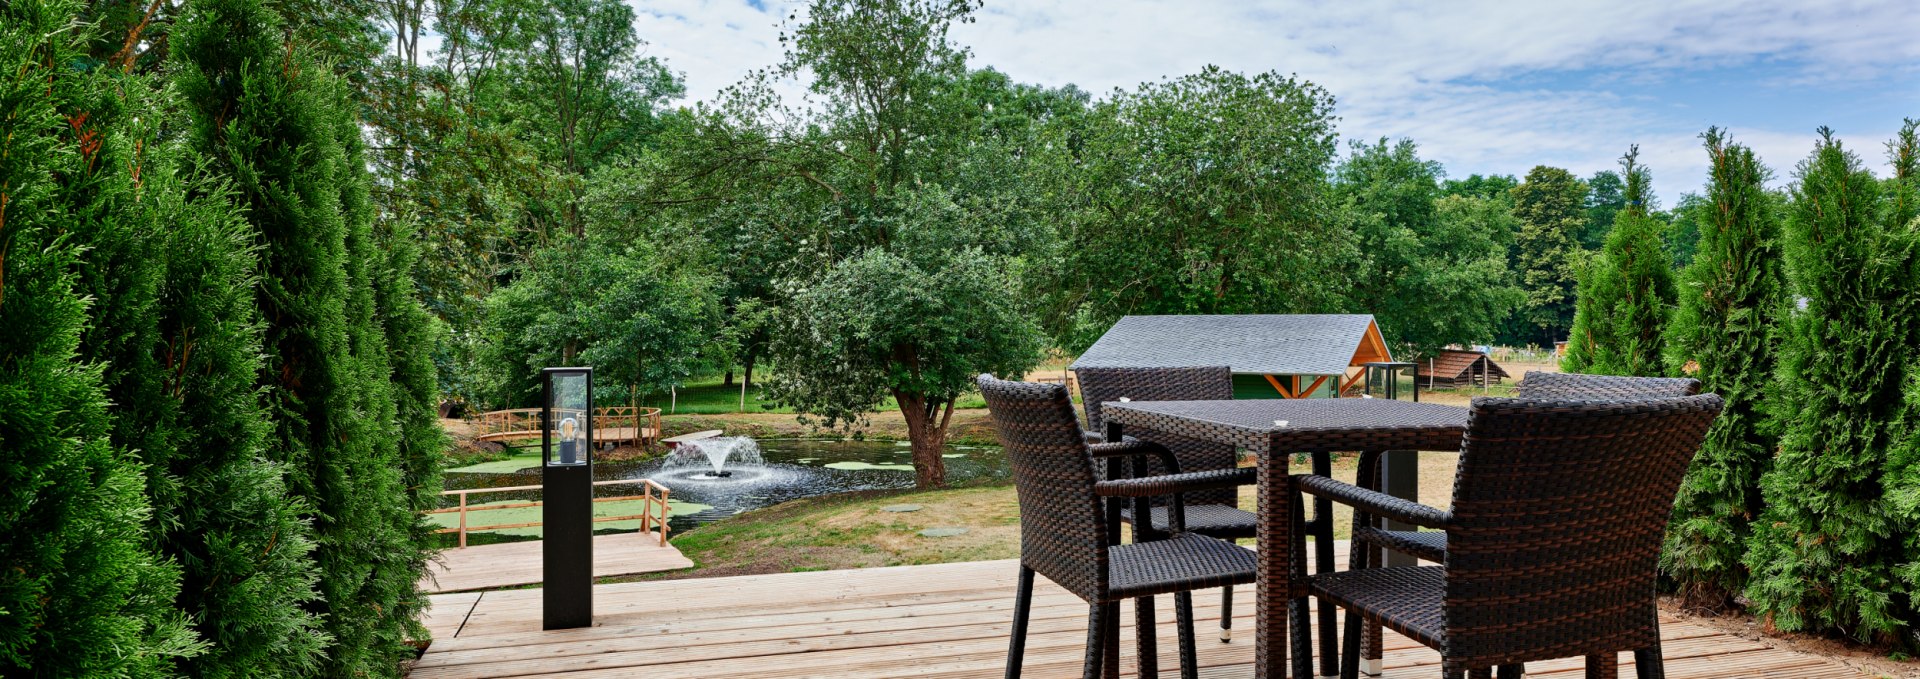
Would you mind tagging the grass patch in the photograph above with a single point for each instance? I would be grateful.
(852, 531)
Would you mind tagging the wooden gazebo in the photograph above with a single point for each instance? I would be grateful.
(1272, 355)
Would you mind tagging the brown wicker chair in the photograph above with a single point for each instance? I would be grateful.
(1214, 513)
(1604, 387)
(1064, 535)
(1558, 512)
(1432, 545)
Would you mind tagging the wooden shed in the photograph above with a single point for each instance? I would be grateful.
(1452, 368)
(1272, 355)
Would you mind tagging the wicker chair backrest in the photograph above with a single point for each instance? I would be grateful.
(1578, 386)
(1062, 533)
(1559, 508)
(1104, 385)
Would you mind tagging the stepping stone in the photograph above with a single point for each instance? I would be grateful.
(942, 532)
(902, 508)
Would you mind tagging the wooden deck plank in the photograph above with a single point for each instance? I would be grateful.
(946, 620)
(519, 563)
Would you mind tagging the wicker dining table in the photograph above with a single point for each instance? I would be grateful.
(1274, 430)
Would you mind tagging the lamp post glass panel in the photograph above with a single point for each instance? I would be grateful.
(566, 442)
(569, 414)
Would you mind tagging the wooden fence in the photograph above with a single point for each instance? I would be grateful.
(653, 511)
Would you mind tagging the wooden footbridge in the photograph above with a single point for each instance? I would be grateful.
(613, 424)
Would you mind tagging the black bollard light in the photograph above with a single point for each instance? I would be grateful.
(566, 445)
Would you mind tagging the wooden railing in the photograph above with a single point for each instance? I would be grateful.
(653, 511)
(618, 423)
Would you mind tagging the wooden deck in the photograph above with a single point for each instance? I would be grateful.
(518, 563)
(948, 620)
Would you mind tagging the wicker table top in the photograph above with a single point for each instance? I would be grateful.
(1310, 425)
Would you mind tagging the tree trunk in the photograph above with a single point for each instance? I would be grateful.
(747, 371)
(927, 434)
(728, 380)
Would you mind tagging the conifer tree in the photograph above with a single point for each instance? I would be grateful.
(411, 338)
(1827, 551)
(81, 594)
(277, 123)
(1626, 294)
(1730, 298)
(169, 264)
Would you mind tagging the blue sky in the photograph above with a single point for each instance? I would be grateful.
(1481, 86)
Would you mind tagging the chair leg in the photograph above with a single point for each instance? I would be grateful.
(1189, 659)
(1350, 648)
(1096, 638)
(1226, 614)
(1603, 666)
(1110, 662)
(1146, 651)
(1022, 605)
(1362, 555)
(1648, 663)
(1514, 671)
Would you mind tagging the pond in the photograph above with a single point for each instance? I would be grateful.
(757, 473)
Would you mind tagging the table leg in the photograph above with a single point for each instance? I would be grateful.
(1401, 469)
(1272, 595)
(1323, 563)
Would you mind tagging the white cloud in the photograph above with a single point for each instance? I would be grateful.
(1460, 78)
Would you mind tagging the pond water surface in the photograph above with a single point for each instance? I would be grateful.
(787, 469)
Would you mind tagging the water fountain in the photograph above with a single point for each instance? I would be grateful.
(717, 452)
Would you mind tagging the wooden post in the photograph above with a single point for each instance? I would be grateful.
(463, 520)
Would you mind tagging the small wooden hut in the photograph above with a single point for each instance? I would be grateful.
(1452, 368)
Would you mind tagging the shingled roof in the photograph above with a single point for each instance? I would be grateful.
(1270, 344)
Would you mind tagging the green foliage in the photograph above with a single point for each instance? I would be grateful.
(1546, 255)
(1491, 187)
(1170, 185)
(280, 128)
(639, 319)
(1606, 197)
(1626, 294)
(1731, 297)
(1436, 267)
(1682, 235)
(81, 594)
(411, 337)
(169, 264)
(918, 331)
(1827, 553)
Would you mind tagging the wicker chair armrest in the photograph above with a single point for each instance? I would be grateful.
(1133, 446)
(1168, 484)
(1373, 502)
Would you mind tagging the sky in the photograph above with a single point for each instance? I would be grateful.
(1482, 86)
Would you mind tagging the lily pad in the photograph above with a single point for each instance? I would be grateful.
(942, 532)
(515, 462)
(857, 466)
(902, 508)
